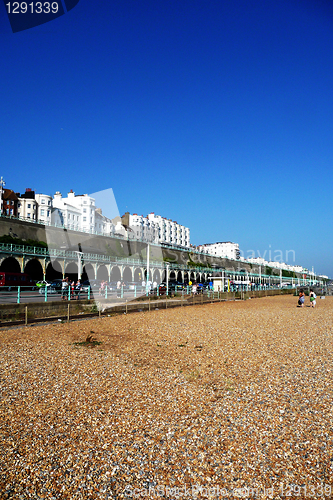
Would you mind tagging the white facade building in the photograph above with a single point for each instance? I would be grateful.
(225, 249)
(79, 213)
(142, 228)
(170, 232)
(27, 208)
(44, 211)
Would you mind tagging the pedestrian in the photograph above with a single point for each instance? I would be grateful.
(64, 289)
(77, 289)
(118, 288)
(313, 297)
(301, 298)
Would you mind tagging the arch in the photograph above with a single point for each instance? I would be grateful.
(157, 276)
(179, 276)
(53, 271)
(115, 274)
(192, 276)
(172, 276)
(197, 278)
(163, 279)
(102, 273)
(88, 272)
(35, 270)
(138, 274)
(71, 271)
(10, 265)
(186, 277)
(127, 274)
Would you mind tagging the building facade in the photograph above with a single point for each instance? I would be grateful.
(225, 249)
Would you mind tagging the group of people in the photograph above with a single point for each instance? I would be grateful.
(301, 298)
(70, 289)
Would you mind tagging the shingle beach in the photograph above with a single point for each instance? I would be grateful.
(225, 400)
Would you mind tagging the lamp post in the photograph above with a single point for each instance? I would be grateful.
(147, 279)
(79, 264)
(167, 279)
(2, 184)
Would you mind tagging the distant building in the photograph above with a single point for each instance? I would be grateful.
(27, 205)
(169, 231)
(225, 249)
(9, 202)
(44, 208)
(79, 213)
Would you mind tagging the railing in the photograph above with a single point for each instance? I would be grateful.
(20, 294)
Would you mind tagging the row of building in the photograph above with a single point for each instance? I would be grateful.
(79, 213)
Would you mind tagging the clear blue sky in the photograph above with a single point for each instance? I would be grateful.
(216, 114)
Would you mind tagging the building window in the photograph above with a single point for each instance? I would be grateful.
(29, 205)
(84, 219)
(48, 213)
(19, 204)
(28, 215)
(43, 202)
(42, 212)
(49, 202)
(11, 211)
(84, 210)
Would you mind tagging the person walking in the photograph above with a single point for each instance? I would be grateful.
(78, 289)
(301, 298)
(313, 297)
(64, 289)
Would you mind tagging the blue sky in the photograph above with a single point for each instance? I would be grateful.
(216, 114)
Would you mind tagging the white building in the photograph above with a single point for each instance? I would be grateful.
(27, 208)
(44, 208)
(225, 249)
(79, 213)
(142, 228)
(169, 231)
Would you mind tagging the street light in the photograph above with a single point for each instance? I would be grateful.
(2, 184)
(167, 280)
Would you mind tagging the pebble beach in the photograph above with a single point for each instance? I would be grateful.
(224, 400)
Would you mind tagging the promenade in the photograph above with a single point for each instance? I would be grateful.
(231, 399)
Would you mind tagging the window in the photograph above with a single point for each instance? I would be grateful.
(43, 202)
(84, 210)
(18, 214)
(48, 213)
(85, 202)
(28, 215)
(19, 204)
(11, 211)
(42, 212)
(84, 219)
(49, 202)
(33, 216)
(29, 205)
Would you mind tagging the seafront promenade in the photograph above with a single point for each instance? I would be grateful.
(234, 396)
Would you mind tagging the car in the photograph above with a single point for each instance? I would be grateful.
(49, 290)
(42, 284)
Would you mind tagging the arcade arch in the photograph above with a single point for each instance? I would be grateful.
(127, 274)
(35, 270)
(71, 271)
(53, 271)
(115, 274)
(102, 273)
(138, 274)
(10, 265)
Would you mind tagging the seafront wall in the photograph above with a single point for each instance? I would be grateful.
(58, 237)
